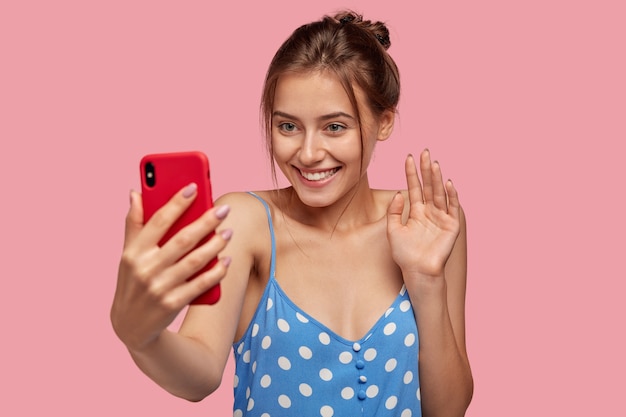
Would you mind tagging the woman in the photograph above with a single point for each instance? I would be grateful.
(337, 299)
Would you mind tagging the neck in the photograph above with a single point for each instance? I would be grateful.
(355, 209)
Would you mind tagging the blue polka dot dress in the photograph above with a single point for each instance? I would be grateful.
(289, 364)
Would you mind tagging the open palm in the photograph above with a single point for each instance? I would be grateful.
(423, 244)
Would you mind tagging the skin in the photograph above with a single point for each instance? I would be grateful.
(416, 238)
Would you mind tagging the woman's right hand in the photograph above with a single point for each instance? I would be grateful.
(152, 285)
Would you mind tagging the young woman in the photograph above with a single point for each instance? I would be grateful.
(337, 299)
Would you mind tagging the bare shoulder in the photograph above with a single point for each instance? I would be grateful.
(246, 211)
(248, 220)
(240, 199)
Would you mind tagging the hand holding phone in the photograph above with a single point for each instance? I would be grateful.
(163, 175)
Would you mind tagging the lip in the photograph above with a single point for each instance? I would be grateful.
(316, 183)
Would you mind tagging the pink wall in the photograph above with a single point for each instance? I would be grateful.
(524, 104)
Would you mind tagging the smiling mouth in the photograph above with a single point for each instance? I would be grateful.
(318, 176)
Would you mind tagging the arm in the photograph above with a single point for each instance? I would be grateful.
(439, 302)
(153, 289)
(430, 248)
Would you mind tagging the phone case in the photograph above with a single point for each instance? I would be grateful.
(165, 174)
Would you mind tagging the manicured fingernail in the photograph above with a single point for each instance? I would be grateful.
(190, 190)
(222, 211)
(226, 260)
(227, 234)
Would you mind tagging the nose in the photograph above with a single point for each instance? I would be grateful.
(312, 150)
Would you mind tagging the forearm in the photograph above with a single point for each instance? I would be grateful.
(180, 365)
(445, 375)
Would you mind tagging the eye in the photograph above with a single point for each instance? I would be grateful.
(287, 127)
(335, 127)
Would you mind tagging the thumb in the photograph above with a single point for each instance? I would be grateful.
(134, 218)
(394, 211)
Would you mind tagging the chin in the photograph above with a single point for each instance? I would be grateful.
(315, 202)
(320, 199)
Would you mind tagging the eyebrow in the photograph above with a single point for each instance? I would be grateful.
(322, 118)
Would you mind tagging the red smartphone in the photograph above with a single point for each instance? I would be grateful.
(165, 174)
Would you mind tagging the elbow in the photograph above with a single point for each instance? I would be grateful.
(468, 393)
(195, 399)
(464, 392)
(199, 395)
(454, 404)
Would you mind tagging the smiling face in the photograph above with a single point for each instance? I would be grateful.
(316, 137)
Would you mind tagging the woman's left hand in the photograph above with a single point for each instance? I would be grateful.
(422, 245)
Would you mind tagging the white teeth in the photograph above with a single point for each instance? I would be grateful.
(317, 176)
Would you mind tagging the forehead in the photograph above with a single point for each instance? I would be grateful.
(317, 92)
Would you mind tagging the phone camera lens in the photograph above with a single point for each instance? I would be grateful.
(150, 175)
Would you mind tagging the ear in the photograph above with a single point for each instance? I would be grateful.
(385, 124)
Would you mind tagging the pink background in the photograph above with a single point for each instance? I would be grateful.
(524, 104)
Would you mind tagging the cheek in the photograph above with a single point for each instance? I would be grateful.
(282, 150)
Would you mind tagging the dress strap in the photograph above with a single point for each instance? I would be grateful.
(271, 225)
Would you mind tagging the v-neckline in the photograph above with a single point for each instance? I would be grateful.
(327, 329)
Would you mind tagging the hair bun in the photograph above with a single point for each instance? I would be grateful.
(378, 29)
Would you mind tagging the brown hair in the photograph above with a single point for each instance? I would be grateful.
(346, 45)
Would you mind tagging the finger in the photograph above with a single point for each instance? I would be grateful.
(394, 212)
(166, 216)
(413, 182)
(439, 190)
(134, 219)
(427, 180)
(454, 206)
(193, 234)
(187, 292)
(193, 261)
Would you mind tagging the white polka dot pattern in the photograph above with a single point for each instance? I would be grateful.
(326, 374)
(391, 364)
(370, 354)
(345, 357)
(327, 411)
(408, 377)
(305, 352)
(302, 318)
(306, 390)
(390, 329)
(266, 381)
(284, 401)
(267, 342)
(284, 363)
(391, 402)
(283, 325)
(288, 363)
(372, 391)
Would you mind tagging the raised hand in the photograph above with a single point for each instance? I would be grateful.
(422, 245)
(152, 286)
